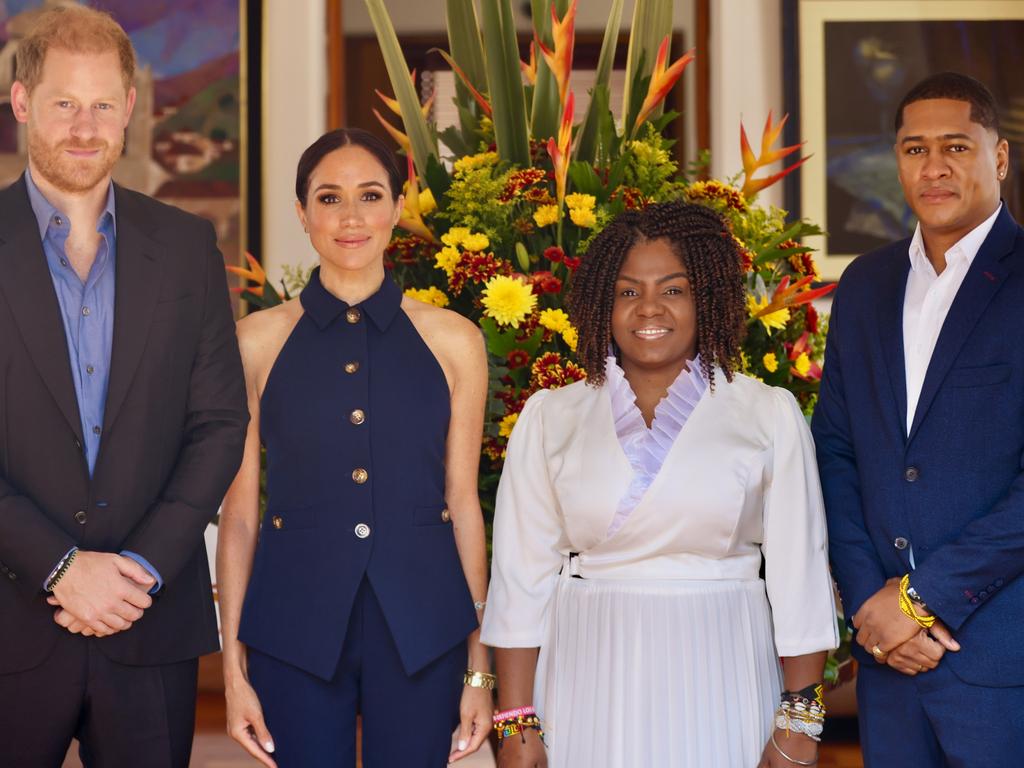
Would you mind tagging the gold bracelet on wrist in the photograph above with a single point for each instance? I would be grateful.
(907, 606)
(475, 679)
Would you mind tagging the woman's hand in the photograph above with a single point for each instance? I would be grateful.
(475, 721)
(515, 753)
(245, 721)
(796, 745)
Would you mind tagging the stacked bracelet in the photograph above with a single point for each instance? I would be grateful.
(517, 725)
(802, 712)
(58, 573)
(511, 713)
(475, 679)
(907, 606)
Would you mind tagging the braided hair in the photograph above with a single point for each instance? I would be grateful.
(702, 240)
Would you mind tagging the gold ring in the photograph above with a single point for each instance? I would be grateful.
(877, 652)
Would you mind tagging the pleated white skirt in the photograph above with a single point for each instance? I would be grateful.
(657, 674)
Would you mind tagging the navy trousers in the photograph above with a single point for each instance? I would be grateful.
(936, 720)
(407, 720)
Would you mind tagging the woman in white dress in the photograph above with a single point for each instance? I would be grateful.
(633, 512)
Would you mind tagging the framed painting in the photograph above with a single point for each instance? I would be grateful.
(186, 143)
(856, 61)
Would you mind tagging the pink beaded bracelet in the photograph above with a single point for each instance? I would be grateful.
(512, 713)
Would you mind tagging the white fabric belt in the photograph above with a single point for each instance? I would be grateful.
(682, 565)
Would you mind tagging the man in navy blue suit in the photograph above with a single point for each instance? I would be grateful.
(920, 438)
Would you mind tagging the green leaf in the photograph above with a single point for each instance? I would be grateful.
(586, 147)
(423, 141)
(504, 82)
(465, 46)
(652, 21)
(523, 257)
(437, 179)
(499, 342)
(453, 139)
(584, 179)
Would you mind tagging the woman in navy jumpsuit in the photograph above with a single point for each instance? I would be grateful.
(355, 595)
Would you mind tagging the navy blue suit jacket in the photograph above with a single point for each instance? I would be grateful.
(952, 491)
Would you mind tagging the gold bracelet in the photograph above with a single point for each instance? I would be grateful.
(907, 606)
(475, 679)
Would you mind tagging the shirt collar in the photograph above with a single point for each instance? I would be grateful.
(965, 249)
(44, 210)
(325, 308)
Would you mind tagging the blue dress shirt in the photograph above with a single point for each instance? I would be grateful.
(87, 310)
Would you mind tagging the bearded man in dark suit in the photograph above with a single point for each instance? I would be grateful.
(122, 419)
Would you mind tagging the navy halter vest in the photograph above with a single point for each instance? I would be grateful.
(354, 417)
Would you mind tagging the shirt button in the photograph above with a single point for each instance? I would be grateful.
(85, 311)
(910, 474)
(63, 262)
(90, 370)
(353, 315)
(900, 543)
(362, 530)
(58, 221)
(96, 430)
(360, 476)
(351, 367)
(81, 517)
(357, 417)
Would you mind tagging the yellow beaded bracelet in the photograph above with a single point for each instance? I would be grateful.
(907, 606)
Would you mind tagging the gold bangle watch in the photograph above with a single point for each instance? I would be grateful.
(475, 679)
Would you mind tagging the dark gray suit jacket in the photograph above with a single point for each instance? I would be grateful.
(173, 429)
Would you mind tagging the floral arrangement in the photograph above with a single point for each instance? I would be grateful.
(496, 231)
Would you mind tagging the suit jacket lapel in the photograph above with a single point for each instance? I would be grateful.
(890, 325)
(981, 283)
(137, 286)
(28, 287)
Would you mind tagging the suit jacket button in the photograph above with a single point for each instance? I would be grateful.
(353, 315)
(12, 576)
(445, 516)
(910, 474)
(277, 522)
(360, 476)
(357, 417)
(900, 543)
(81, 517)
(351, 367)
(362, 530)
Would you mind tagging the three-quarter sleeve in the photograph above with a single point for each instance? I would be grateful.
(795, 544)
(527, 532)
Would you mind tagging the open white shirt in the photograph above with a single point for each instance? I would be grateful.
(928, 299)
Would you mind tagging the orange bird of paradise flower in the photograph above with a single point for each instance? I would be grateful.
(254, 274)
(412, 217)
(400, 138)
(802, 347)
(560, 59)
(662, 80)
(752, 164)
(530, 70)
(792, 295)
(485, 105)
(559, 150)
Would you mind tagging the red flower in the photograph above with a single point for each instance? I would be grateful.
(573, 262)
(545, 282)
(811, 319)
(554, 253)
(517, 358)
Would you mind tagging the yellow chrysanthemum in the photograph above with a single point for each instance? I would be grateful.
(472, 162)
(554, 320)
(475, 242)
(430, 295)
(771, 362)
(582, 217)
(772, 320)
(508, 300)
(505, 427)
(571, 337)
(545, 215)
(579, 200)
(447, 258)
(802, 364)
(744, 362)
(455, 236)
